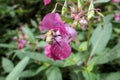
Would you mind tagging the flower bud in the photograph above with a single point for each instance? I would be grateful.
(117, 17)
(83, 23)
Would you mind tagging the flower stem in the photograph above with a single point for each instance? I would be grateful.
(88, 41)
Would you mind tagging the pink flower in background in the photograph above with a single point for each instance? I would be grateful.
(46, 2)
(83, 23)
(22, 39)
(21, 44)
(60, 48)
(117, 17)
(116, 1)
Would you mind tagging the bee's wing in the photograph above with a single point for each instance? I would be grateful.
(41, 37)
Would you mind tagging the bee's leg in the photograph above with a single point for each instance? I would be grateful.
(56, 35)
(57, 42)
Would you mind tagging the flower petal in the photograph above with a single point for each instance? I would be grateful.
(62, 51)
(58, 52)
(72, 33)
(53, 21)
(48, 50)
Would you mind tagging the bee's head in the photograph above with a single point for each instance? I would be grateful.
(50, 32)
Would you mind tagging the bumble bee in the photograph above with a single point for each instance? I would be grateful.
(49, 37)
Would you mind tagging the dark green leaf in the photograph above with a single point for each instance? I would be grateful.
(2, 78)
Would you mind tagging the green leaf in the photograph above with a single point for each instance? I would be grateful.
(100, 14)
(112, 76)
(31, 73)
(117, 30)
(108, 18)
(83, 46)
(100, 37)
(27, 73)
(29, 33)
(15, 73)
(41, 44)
(89, 75)
(75, 74)
(107, 56)
(7, 65)
(7, 45)
(91, 65)
(91, 12)
(72, 60)
(79, 4)
(2, 78)
(34, 24)
(64, 8)
(41, 57)
(53, 73)
(101, 1)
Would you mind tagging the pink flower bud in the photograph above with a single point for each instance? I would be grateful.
(46, 2)
(21, 44)
(117, 17)
(83, 23)
(15, 38)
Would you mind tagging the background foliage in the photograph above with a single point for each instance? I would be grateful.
(30, 63)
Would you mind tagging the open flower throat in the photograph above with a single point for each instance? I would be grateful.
(62, 35)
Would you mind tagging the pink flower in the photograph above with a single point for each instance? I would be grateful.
(53, 21)
(21, 44)
(116, 1)
(21, 40)
(117, 17)
(46, 2)
(58, 52)
(60, 48)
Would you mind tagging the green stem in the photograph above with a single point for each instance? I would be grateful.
(88, 41)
